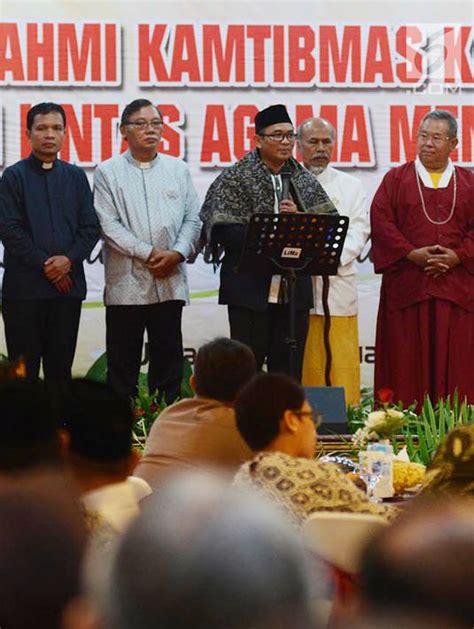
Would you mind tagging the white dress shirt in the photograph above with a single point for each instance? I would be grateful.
(116, 504)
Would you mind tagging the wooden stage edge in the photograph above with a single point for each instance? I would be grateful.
(336, 444)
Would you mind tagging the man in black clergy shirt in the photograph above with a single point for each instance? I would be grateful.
(48, 227)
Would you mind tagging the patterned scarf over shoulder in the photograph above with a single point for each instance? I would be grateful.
(452, 468)
(247, 188)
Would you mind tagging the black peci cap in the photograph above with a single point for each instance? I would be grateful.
(271, 115)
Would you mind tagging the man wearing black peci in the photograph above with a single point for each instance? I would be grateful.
(257, 308)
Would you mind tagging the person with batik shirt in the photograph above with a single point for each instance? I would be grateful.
(451, 471)
(276, 421)
(423, 244)
(257, 308)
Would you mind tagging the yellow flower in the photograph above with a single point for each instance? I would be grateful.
(407, 474)
(374, 418)
(392, 412)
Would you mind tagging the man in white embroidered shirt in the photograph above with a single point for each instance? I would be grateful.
(149, 215)
(316, 138)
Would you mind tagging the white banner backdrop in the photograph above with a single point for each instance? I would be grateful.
(373, 69)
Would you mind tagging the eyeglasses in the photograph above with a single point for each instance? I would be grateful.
(141, 125)
(316, 417)
(279, 137)
(436, 139)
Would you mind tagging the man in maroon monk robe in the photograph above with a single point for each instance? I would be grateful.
(423, 244)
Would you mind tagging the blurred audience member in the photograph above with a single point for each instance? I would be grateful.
(275, 420)
(452, 468)
(400, 620)
(201, 431)
(207, 556)
(30, 434)
(98, 423)
(423, 564)
(41, 546)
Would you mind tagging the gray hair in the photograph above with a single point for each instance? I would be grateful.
(442, 114)
(399, 570)
(205, 555)
(309, 121)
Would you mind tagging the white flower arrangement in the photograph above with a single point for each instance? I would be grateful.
(380, 424)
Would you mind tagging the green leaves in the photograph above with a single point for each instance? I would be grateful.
(424, 432)
(98, 370)
(432, 425)
(356, 415)
(147, 406)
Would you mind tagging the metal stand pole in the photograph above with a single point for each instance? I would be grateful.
(291, 339)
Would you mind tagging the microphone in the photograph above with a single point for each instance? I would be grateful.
(285, 174)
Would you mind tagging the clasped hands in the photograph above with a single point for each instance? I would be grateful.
(57, 269)
(162, 263)
(434, 259)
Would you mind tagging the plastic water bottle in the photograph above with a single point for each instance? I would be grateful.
(380, 467)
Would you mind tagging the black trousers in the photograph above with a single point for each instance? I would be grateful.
(265, 333)
(43, 330)
(125, 327)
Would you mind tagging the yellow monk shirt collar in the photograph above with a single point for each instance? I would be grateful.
(429, 181)
(435, 178)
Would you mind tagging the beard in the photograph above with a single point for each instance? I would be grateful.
(316, 170)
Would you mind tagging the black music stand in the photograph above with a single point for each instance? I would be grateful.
(293, 244)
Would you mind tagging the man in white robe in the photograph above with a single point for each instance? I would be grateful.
(316, 139)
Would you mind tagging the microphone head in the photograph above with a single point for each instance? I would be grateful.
(286, 172)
